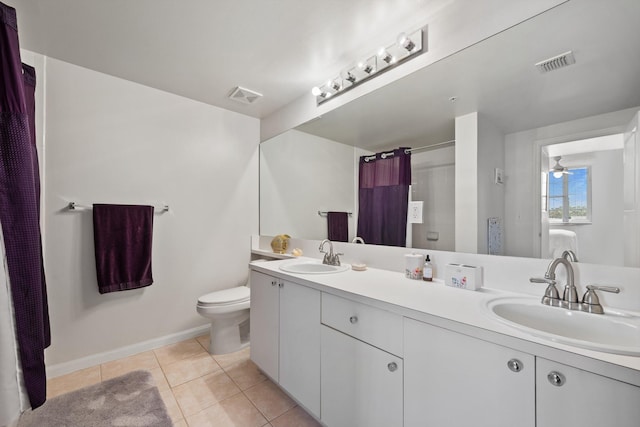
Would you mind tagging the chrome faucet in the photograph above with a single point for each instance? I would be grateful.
(590, 302)
(569, 255)
(329, 258)
(358, 239)
(570, 294)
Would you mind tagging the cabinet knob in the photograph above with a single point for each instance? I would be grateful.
(281, 285)
(353, 319)
(273, 283)
(393, 366)
(556, 378)
(515, 365)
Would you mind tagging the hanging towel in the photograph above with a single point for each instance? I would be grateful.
(122, 238)
(338, 226)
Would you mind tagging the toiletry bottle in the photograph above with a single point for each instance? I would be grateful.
(427, 271)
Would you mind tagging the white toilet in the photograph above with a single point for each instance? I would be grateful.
(228, 311)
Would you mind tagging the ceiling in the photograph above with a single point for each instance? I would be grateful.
(497, 78)
(203, 49)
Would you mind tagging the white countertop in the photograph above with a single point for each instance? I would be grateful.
(455, 309)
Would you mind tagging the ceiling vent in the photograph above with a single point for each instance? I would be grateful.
(560, 61)
(244, 96)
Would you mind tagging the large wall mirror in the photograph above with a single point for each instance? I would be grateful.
(568, 116)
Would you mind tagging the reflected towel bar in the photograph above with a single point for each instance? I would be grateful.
(324, 213)
(73, 206)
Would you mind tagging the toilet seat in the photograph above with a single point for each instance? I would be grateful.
(231, 296)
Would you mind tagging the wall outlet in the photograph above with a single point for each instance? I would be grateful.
(415, 212)
(498, 176)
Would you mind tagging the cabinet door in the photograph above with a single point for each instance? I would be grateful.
(455, 380)
(361, 385)
(568, 396)
(300, 344)
(264, 319)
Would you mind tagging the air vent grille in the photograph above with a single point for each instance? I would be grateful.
(559, 61)
(244, 96)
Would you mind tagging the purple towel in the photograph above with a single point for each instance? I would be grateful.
(338, 226)
(122, 237)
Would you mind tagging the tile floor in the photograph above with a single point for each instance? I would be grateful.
(201, 390)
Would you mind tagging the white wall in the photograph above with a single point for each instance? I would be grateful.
(114, 141)
(433, 182)
(301, 174)
(466, 193)
(522, 161)
(490, 194)
(599, 242)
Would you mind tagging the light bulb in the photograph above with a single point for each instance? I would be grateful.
(405, 42)
(316, 91)
(384, 55)
(348, 75)
(557, 174)
(364, 66)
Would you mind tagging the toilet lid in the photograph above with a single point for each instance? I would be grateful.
(226, 296)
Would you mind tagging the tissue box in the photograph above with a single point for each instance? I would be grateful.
(463, 276)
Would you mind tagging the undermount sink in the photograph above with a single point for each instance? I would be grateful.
(312, 267)
(613, 332)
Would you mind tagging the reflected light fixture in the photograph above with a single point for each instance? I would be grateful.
(407, 46)
(559, 170)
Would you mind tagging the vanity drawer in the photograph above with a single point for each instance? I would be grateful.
(372, 325)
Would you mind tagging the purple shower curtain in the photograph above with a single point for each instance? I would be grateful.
(383, 197)
(19, 208)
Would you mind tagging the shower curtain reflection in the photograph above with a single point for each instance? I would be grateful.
(384, 180)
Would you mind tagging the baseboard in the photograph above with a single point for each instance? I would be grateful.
(108, 356)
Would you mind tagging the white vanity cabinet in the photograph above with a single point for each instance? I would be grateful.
(285, 336)
(455, 380)
(361, 383)
(567, 396)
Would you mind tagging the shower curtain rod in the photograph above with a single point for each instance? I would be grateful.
(73, 206)
(431, 147)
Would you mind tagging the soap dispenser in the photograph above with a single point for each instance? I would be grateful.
(427, 271)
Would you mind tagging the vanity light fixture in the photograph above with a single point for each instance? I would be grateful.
(407, 46)
(348, 76)
(367, 66)
(384, 55)
(405, 42)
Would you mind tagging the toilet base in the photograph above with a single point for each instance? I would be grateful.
(229, 332)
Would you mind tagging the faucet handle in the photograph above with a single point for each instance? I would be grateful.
(551, 295)
(590, 300)
(542, 280)
(612, 289)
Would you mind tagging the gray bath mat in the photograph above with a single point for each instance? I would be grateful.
(131, 400)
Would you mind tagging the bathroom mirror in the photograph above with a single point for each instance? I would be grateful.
(598, 95)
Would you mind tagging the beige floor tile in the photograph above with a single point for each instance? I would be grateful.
(73, 381)
(204, 341)
(160, 379)
(173, 410)
(269, 399)
(236, 411)
(201, 393)
(189, 369)
(296, 417)
(245, 374)
(228, 360)
(146, 361)
(181, 423)
(179, 351)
